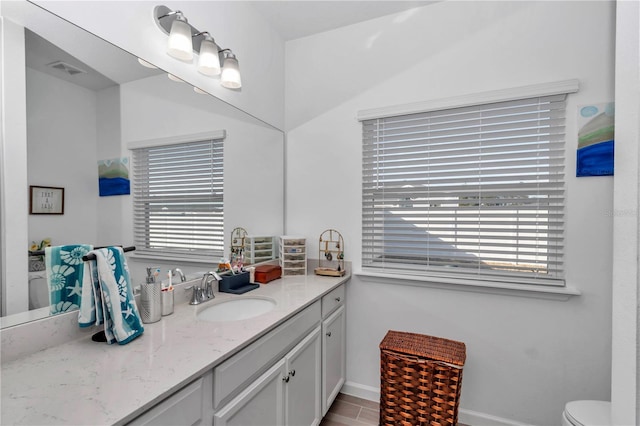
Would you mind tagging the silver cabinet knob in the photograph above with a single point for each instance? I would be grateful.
(292, 373)
(329, 334)
(285, 379)
(337, 299)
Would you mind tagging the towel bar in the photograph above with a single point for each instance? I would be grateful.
(93, 256)
(85, 258)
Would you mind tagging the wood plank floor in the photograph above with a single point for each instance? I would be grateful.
(349, 410)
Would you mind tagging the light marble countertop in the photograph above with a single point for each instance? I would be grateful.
(84, 382)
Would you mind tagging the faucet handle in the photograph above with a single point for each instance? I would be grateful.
(196, 296)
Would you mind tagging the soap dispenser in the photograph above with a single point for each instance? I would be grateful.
(150, 299)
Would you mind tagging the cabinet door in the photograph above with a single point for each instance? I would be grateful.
(261, 404)
(303, 388)
(333, 357)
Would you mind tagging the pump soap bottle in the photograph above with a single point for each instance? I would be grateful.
(150, 299)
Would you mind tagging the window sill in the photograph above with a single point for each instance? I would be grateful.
(458, 284)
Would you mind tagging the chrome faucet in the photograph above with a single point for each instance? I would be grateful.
(178, 271)
(207, 287)
(204, 291)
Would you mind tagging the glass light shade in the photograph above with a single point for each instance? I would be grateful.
(209, 62)
(230, 77)
(199, 91)
(174, 78)
(180, 45)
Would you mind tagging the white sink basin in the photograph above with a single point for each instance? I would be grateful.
(236, 309)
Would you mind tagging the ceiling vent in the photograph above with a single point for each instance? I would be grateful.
(66, 68)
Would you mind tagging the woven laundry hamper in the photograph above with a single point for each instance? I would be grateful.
(420, 379)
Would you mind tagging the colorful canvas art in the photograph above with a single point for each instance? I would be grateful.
(595, 140)
(113, 177)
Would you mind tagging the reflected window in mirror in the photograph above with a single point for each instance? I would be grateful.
(178, 201)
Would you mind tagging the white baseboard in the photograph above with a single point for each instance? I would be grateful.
(475, 418)
(469, 417)
(361, 391)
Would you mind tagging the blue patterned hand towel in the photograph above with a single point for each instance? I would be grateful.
(90, 312)
(65, 273)
(113, 302)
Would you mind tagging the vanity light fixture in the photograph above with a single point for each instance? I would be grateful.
(208, 61)
(180, 44)
(199, 91)
(184, 40)
(230, 77)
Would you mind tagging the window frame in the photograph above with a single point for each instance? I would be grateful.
(445, 278)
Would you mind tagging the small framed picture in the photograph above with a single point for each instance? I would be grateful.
(46, 200)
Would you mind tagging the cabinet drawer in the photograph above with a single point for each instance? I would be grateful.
(235, 373)
(182, 408)
(332, 300)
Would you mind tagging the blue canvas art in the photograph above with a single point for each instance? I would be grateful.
(113, 177)
(595, 140)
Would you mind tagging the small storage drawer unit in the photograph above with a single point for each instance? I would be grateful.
(259, 249)
(293, 255)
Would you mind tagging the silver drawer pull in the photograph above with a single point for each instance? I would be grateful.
(285, 379)
(337, 299)
(292, 373)
(329, 334)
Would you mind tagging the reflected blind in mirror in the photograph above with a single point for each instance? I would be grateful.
(476, 192)
(178, 199)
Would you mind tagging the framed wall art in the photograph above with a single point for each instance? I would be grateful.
(46, 200)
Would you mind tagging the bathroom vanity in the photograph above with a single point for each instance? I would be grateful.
(281, 367)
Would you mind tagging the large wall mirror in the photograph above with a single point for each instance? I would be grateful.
(86, 101)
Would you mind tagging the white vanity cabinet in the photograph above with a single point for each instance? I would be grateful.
(277, 379)
(287, 394)
(333, 346)
(262, 403)
(304, 384)
(189, 406)
(288, 376)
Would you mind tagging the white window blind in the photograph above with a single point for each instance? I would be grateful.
(178, 199)
(475, 192)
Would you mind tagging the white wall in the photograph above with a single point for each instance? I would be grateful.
(526, 357)
(62, 139)
(234, 25)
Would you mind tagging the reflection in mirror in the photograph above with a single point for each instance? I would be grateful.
(78, 114)
(259, 248)
(248, 250)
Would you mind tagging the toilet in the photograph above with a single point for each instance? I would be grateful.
(587, 413)
(38, 290)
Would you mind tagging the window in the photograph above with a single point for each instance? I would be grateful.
(471, 192)
(178, 199)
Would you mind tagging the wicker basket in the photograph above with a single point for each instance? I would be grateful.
(420, 379)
